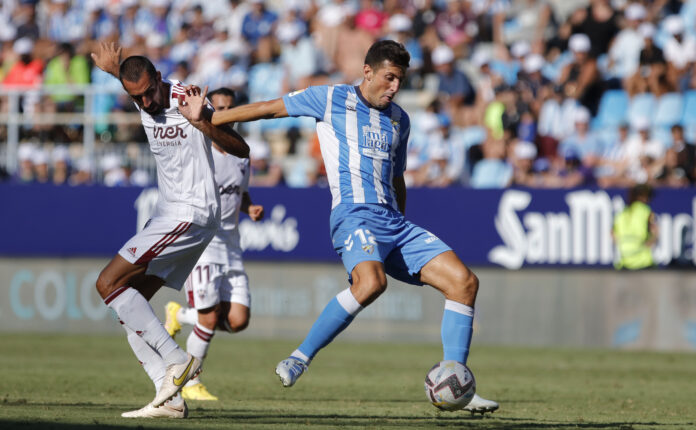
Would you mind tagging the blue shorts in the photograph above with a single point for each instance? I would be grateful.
(371, 232)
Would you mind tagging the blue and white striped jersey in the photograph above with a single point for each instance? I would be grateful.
(364, 148)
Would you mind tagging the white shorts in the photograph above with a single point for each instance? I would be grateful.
(209, 284)
(169, 248)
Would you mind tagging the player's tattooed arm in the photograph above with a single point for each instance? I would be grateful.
(400, 191)
(194, 108)
(108, 58)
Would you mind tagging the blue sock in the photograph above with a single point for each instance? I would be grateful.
(457, 325)
(335, 317)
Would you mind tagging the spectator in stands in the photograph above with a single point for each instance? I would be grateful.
(155, 44)
(425, 17)
(371, 18)
(582, 142)
(65, 24)
(60, 167)
(64, 69)
(523, 157)
(609, 173)
(264, 171)
(26, 71)
(25, 168)
(258, 23)
(643, 156)
(454, 88)
(599, 22)
(492, 171)
(456, 25)
(83, 173)
(400, 26)
(298, 55)
(114, 173)
(128, 36)
(572, 172)
(685, 153)
(651, 73)
(679, 51)
(580, 77)
(624, 54)
(25, 20)
(40, 162)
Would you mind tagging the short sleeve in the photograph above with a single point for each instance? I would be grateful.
(309, 102)
(402, 149)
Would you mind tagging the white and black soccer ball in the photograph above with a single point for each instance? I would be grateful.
(450, 385)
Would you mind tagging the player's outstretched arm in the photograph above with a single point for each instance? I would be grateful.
(251, 112)
(108, 58)
(194, 108)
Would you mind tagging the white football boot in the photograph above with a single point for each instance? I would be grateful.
(481, 405)
(289, 370)
(176, 377)
(175, 408)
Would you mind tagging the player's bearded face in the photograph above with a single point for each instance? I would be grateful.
(383, 83)
(147, 93)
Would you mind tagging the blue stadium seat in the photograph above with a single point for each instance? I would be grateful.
(689, 113)
(612, 109)
(669, 110)
(662, 134)
(641, 106)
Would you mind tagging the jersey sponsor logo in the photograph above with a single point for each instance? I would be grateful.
(170, 132)
(230, 189)
(375, 143)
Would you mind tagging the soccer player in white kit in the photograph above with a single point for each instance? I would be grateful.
(218, 288)
(185, 219)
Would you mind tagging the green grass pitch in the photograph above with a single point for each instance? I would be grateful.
(85, 382)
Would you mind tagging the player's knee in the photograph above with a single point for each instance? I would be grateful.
(235, 323)
(104, 285)
(369, 289)
(208, 320)
(467, 282)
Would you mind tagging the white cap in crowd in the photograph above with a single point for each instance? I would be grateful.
(579, 43)
(23, 46)
(525, 150)
(442, 55)
(673, 24)
(60, 153)
(84, 165)
(25, 152)
(110, 162)
(520, 49)
(39, 156)
(641, 123)
(481, 57)
(533, 63)
(634, 12)
(647, 30)
(288, 32)
(400, 23)
(581, 115)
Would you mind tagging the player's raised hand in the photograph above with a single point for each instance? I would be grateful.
(108, 57)
(255, 212)
(194, 102)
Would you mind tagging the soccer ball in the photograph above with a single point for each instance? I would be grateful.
(450, 385)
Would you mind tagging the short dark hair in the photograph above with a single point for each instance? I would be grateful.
(132, 68)
(389, 50)
(640, 191)
(223, 91)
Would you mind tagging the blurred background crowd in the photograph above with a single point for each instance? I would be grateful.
(545, 94)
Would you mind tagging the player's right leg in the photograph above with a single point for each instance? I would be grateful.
(162, 252)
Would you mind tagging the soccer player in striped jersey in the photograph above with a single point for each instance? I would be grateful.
(186, 217)
(363, 136)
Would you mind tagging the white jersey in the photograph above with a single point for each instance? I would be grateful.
(232, 177)
(187, 189)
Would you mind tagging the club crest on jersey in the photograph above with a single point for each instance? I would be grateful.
(368, 248)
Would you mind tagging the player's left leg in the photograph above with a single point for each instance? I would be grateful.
(446, 273)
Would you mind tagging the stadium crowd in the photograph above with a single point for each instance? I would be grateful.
(545, 94)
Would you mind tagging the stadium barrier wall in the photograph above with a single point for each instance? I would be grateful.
(540, 307)
(510, 228)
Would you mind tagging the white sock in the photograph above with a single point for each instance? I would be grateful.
(198, 341)
(187, 316)
(136, 313)
(149, 358)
